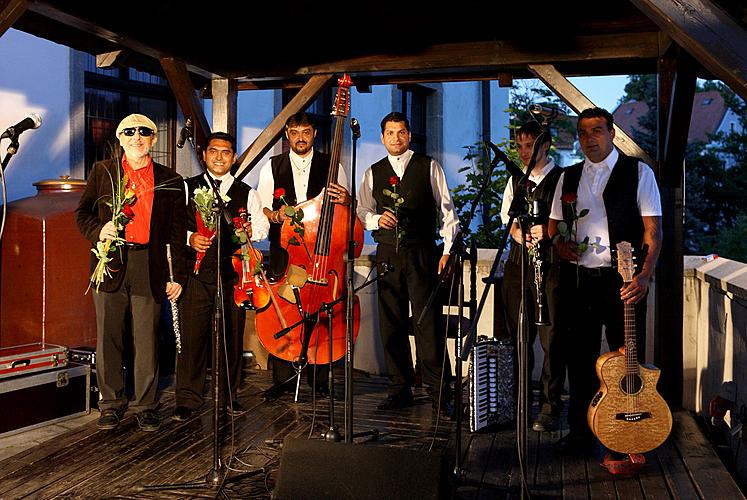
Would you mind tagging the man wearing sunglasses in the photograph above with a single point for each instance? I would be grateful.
(138, 281)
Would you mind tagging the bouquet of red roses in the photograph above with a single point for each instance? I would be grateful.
(206, 219)
(120, 202)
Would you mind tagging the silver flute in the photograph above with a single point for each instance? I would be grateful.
(174, 307)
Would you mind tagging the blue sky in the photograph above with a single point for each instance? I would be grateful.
(604, 91)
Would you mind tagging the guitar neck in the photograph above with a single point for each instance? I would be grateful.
(631, 351)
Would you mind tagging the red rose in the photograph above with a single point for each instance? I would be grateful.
(238, 223)
(242, 210)
(278, 193)
(569, 198)
(394, 181)
(531, 185)
(128, 212)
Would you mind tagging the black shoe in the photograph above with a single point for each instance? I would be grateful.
(402, 399)
(109, 419)
(275, 392)
(546, 423)
(575, 442)
(182, 413)
(148, 420)
(235, 409)
(322, 390)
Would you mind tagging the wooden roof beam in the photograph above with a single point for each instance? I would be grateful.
(488, 56)
(10, 11)
(184, 91)
(708, 33)
(579, 102)
(274, 130)
(50, 11)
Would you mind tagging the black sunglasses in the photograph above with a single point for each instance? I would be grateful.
(143, 131)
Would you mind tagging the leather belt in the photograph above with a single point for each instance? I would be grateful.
(137, 246)
(596, 272)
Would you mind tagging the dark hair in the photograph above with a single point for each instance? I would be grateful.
(299, 119)
(221, 136)
(597, 113)
(534, 130)
(395, 116)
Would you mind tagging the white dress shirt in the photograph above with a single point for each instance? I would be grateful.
(594, 179)
(260, 224)
(441, 197)
(301, 168)
(508, 193)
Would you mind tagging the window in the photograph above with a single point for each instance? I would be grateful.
(413, 106)
(112, 94)
(707, 101)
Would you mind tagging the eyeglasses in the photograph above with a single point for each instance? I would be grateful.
(143, 131)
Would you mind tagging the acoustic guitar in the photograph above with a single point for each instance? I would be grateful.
(627, 414)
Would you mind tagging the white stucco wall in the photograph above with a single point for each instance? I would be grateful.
(34, 78)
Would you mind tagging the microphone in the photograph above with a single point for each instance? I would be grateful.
(33, 120)
(356, 128)
(499, 156)
(539, 109)
(184, 134)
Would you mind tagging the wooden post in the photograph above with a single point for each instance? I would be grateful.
(677, 79)
(225, 98)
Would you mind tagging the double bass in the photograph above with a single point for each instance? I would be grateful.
(315, 274)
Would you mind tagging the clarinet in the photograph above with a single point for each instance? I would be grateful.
(538, 214)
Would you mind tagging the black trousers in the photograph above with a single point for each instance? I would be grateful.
(554, 363)
(197, 309)
(412, 281)
(585, 309)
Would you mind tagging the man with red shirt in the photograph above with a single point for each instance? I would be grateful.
(138, 281)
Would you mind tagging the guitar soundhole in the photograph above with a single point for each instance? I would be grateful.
(631, 384)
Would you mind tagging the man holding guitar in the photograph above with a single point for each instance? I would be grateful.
(606, 199)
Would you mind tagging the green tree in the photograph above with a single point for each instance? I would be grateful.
(715, 195)
(488, 225)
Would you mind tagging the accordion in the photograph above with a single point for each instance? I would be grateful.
(491, 384)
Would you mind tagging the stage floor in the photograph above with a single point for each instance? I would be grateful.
(85, 462)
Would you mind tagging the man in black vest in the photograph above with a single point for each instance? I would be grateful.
(302, 174)
(198, 304)
(606, 199)
(540, 188)
(406, 232)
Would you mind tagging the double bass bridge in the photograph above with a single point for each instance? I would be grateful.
(320, 282)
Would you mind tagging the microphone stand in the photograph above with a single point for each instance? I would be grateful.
(12, 150)
(518, 209)
(350, 305)
(216, 477)
(455, 265)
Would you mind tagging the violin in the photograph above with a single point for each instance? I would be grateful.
(251, 292)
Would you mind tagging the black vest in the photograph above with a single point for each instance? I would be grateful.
(238, 194)
(418, 215)
(282, 174)
(545, 191)
(624, 221)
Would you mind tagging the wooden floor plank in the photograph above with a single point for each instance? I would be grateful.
(86, 462)
(709, 476)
